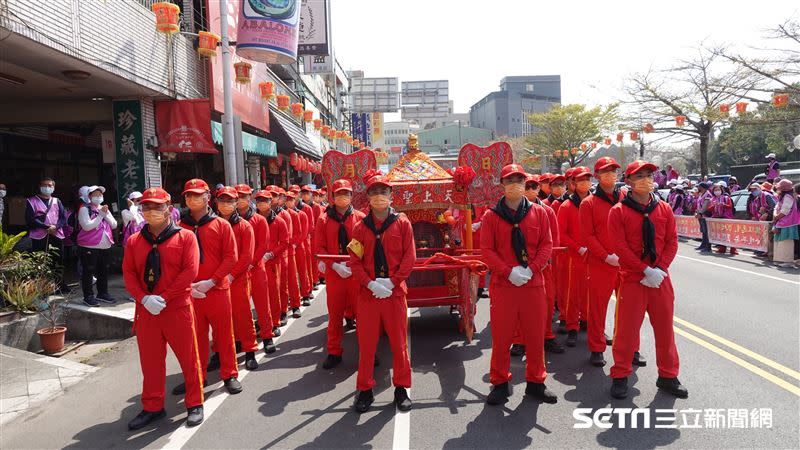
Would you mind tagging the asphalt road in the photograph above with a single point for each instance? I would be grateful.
(737, 336)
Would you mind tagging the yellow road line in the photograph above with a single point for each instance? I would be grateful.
(764, 360)
(731, 357)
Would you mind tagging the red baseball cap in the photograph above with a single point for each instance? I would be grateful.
(545, 177)
(605, 162)
(244, 189)
(532, 178)
(263, 194)
(307, 188)
(228, 191)
(155, 195)
(569, 172)
(556, 178)
(376, 180)
(294, 188)
(638, 165)
(195, 186)
(580, 172)
(341, 185)
(291, 194)
(512, 169)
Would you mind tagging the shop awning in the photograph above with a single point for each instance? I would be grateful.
(250, 142)
(290, 135)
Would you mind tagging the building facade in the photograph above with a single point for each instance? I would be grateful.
(450, 138)
(505, 112)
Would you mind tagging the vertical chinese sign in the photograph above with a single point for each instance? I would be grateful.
(129, 144)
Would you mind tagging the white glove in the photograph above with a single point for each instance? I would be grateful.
(203, 286)
(387, 282)
(379, 290)
(268, 256)
(475, 226)
(197, 294)
(518, 276)
(230, 279)
(654, 276)
(582, 251)
(342, 270)
(528, 272)
(647, 283)
(321, 266)
(612, 260)
(154, 304)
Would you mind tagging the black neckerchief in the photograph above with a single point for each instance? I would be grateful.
(648, 229)
(249, 213)
(152, 265)
(564, 197)
(189, 220)
(575, 199)
(234, 218)
(299, 206)
(603, 195)
(551, 198)
(381, 265)
(517, 237)
(342, 238)
(271, 216)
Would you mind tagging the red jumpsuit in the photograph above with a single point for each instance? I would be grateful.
(511, 305)
(278, 243)
(218, 257)
(634, 298)
(560, 265)
(307, 215)
(284, 287)
(389, 314)
(295, 256)
(317, 211)
(243, 328)
(576, 288)
(603, 277)
(341, 292)
(258, 275)
(174, 325)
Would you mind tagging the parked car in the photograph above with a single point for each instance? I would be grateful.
(739, 199)
(790, 174)
(712, 178)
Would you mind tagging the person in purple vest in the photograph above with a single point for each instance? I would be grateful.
(132, 219)
(785, 224)
(773, 169)
(46, 217)
(702, 211)
(94, 246)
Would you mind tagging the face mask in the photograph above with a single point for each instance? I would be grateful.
(756, 192)
(607, 178)
(243, 203)
(155, 218)
(225, 209)
(195, 203)
(531, 194)
(97, 200)
(717, 193)
(379, 202)
(46, 190)
(514, 191)
(643, 186)
(2, 193)
(342, 201)
(263, 207)
(557, 190)
(583, 186)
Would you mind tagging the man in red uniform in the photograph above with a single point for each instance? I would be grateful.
(382, 254)
(276, 252)
(304, 263)
(284, 214)
(243, 330)
(577, 289)
(297, 275)
(561, 269)
(160, 263)
(556, 197)
(544, 187)
(516, 244)
(211, 298)
(259, 286)
(333, 233)
(603, 263)
(646, 242)
(307, 194)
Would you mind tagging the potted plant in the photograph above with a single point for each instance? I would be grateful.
(52, 308)
(22, 294)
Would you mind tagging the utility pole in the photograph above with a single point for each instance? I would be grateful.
(228, 142)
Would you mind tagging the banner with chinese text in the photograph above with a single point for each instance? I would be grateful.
(747, 234)
(688, 226)
(129, 144)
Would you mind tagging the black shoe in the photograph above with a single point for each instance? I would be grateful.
(639, 360)
(269, 346)
(562, 327)
(401, 399)
(377, 362)
(276, 331)
(316, 287)
(257, 327)
(597, 359)
(145, 417)
(483, 293)
(619, 388)
(332, 361)
(552, 346)
(283, 320)
(539, 391)
(238, 346)
(583, 325)
(609, 341)
(306, 302)
(233, 386)
(517, 349)
(91, 301)
(322, 281)
(296, 313)
(349, 324)
(106, 298)
(194, 416)
(363, 401)
(213, 363)
(499, 394)
(572, 338)
(181, 388)
(673, 386)
(250, 362)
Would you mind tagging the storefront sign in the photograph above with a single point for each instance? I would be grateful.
(184, 126)
(377, 126)
(360, 128)
(129, 143)
(268, 30)
(313, 36)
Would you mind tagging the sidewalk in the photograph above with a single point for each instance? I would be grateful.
(123, 309)
(29, 379)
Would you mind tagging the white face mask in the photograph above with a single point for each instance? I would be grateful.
(2, 193)
(97, 200)
(46, 190)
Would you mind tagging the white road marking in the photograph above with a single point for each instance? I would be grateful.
(402, 420)
(181, 436)
(741, 270)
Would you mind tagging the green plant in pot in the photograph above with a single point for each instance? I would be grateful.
(53, 309)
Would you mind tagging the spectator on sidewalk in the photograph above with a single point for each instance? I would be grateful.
(733, 185)
(702, 211)
(787, 218)
(773, 169)
(672, 174)
(678, 200)
(760, 205)
(94, 246)
(132, 218)
(722, 208)
(45, 216)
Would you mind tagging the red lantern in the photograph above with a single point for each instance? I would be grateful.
(680, 121)
(780, 100)
(574, 150)
(207, 44)
(242, 70)
(724, 108)
(308, 116)
(167, 15)
(317, 124)
(349, 140)
(297, 109)
(648, 128)
(594, 144)
(584, 146)
(741, 107)
(340, 134)
(607, 141)
(267, 90)
(283, 102)
(325, 130)
(634, 135)
(293, 159)
(620, 137)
